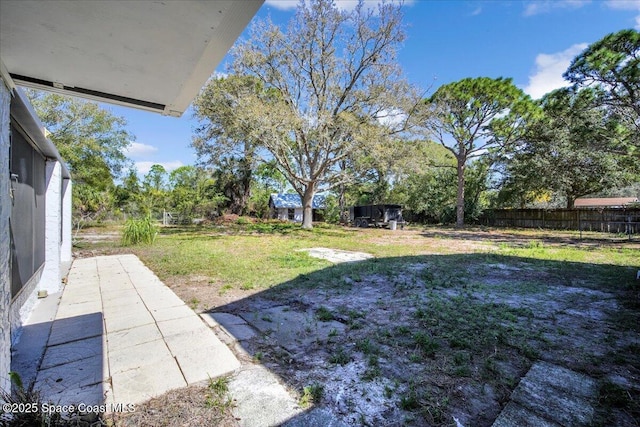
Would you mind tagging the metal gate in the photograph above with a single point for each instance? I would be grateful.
(27, 221)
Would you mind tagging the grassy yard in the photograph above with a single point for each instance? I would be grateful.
(440, 323)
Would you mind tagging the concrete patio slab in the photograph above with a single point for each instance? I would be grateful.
(128, 320)
(71, 309)
(152, 353)
(144, 382)
(89, 395)
(181, 326)
(27, 354)
(190, 342)
(76, 328)
(171, 313)
(71, 352)
(118, 335)
(159, 301)
(112, 308)
(77, 374)
(133, 336)
(111, 297)
(82, 295)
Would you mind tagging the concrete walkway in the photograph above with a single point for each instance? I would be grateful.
(120, 336)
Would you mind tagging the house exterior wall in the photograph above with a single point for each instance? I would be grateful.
(50, 280)
(5, 245)
(14, 310)
(297, 215)
(67, 227)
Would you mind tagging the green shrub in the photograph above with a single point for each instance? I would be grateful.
(242, 221)
(311, 394)
(138, 231)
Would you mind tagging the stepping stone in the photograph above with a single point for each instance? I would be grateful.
(76, 328)
(261, 400)
(292, 329)
(234, 326)
(550, 395)
(514, 415)
(337, 256)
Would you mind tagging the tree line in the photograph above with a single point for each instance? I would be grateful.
(322, 105)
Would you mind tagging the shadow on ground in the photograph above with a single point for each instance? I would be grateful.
(589, 239)
(67, 371)
(420, 340)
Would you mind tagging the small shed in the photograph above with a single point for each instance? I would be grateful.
(606, 202)
(288, 207)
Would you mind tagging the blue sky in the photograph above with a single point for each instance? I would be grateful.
(447, 40)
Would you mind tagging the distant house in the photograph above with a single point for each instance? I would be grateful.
(608, 202)
(288, 207)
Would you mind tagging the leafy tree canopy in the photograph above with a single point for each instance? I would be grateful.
(476, 117)
(315, 93)
(613, 64)
(566, 150)
(91, 140)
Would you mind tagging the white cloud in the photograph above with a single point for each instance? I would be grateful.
(537, 7)
(282, 4)
(137, 149)
(477, 11)
(549, 70)
(626, 5)
(342, 4)
(144, 167)
(392, 118)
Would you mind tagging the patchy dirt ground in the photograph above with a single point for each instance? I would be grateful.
(447, 332)
(424, 340)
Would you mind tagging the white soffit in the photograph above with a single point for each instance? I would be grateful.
(154, 55)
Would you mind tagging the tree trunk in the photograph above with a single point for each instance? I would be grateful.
(245, 182)
(460, 195)
(343, 219)
(307, 203)
(570, 202)
(343, 216)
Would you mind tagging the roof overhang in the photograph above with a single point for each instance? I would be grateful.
(153, 55)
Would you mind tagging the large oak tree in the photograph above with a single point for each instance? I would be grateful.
(330, 84)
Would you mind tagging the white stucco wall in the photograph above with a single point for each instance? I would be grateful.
(5, 254)
(50, 280)
(67, 227)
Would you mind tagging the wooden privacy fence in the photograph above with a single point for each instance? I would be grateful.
(610, 220)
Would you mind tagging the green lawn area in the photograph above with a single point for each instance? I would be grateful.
(260, 256)
(442, 321)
